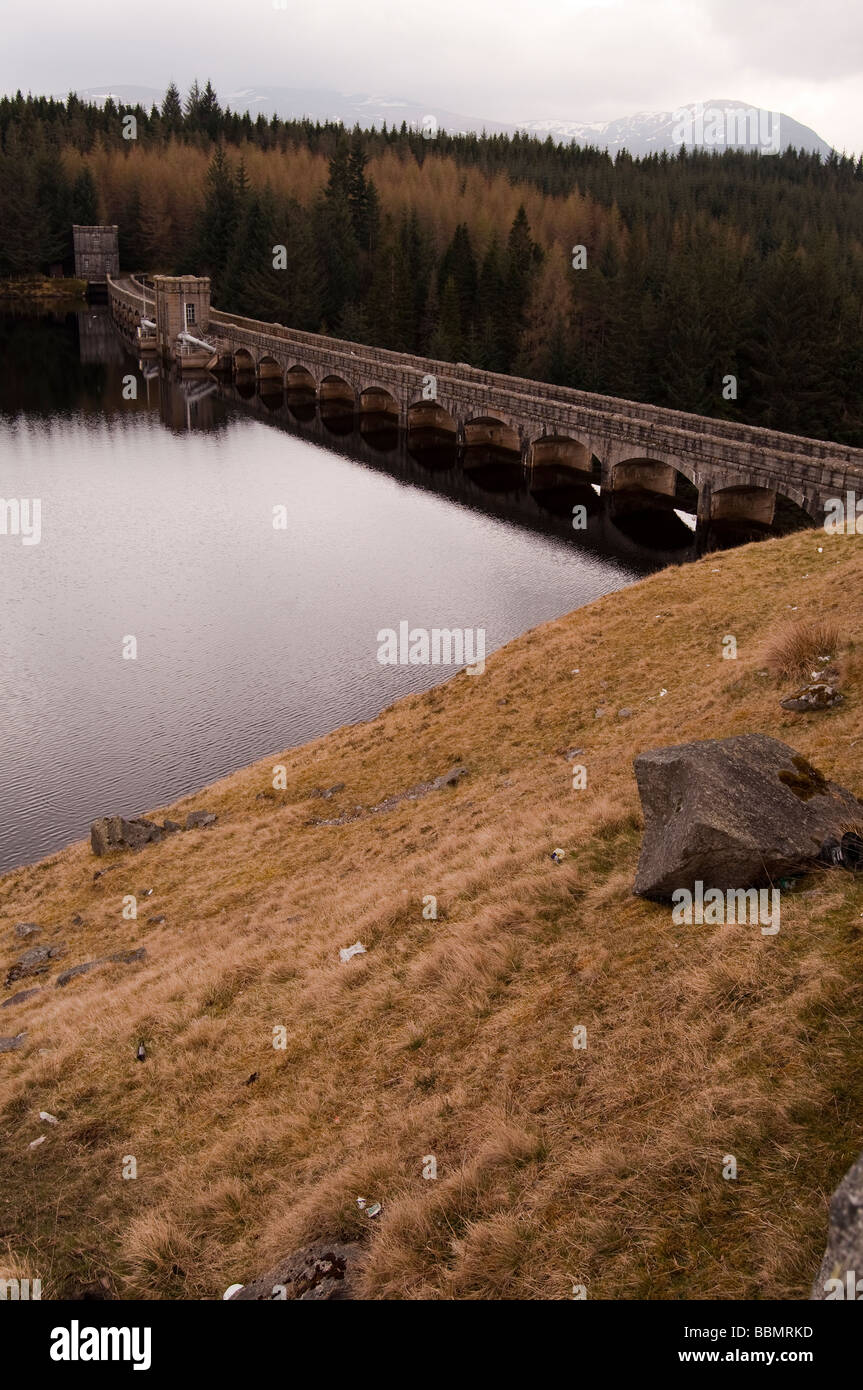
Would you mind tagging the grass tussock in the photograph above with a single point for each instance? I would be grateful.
(800, 648)
(280, 1085)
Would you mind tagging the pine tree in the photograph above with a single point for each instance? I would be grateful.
(459, 265)
(361, 195)
(192, 107)
(210, 112)
(18, 212)
(172, 110)
(523, 257)
(448, 340)
(492, 311)
(85, 203)
(218, 219)
(545, 351)
(789, 361)
(685, 366)
(338, 250)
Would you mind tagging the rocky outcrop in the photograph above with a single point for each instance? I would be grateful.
(118, 958)
(110, 833)
(735, 813)
(842, 1265)
(36, 961)
(327, 792)
(325, 1270)
(446, 779)
(12, 1044)
(115, 832)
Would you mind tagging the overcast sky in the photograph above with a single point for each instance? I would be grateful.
(506, 60)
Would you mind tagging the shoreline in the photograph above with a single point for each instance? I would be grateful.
(43, 290)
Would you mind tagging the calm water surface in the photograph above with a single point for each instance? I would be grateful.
(157, 523)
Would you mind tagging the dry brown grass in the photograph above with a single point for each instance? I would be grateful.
(453, 1037)
(800, 648)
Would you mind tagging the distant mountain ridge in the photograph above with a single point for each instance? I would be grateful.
(718, 123)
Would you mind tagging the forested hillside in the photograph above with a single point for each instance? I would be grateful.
(698, 268)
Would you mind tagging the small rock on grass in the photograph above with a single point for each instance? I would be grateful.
(325, 1270)
(20, 997)
(818, 695)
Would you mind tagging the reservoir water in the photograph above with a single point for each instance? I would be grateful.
(157, 524)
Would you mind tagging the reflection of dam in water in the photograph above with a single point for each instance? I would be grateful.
(98, 340)
(645, 530)
(484, 478)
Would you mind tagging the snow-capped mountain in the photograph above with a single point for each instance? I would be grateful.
(717, 123)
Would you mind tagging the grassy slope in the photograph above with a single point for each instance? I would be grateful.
(453, 1037)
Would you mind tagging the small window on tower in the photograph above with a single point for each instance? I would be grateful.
(190, 314)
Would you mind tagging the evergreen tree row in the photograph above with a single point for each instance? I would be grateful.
(705, 267)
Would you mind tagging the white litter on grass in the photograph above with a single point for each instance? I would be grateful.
(663, 692)
(358, 949)
(370, 1208)
(52, 1119)
(229, 1292)
(34, 1143)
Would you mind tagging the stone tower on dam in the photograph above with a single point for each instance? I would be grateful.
(182, 306)
(97, 253)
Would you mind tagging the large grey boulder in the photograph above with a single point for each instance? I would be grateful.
(325, 1270)
(844, 1253)
(737, 812)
